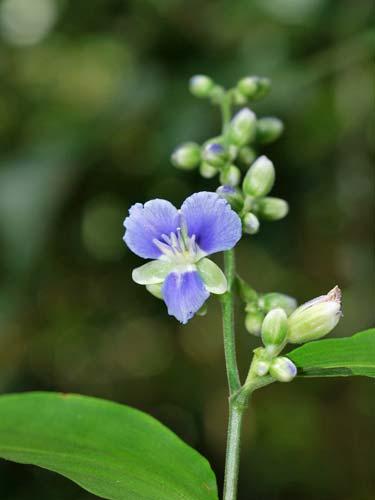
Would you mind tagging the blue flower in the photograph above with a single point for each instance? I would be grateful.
(179, 241)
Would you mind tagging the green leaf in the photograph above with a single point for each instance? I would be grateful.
(337, 357)
(111, 450)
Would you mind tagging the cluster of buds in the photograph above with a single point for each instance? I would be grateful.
(310, 321)
(258, 305)
(229, 154)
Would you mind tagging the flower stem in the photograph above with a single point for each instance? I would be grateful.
(233, 452)
(235, 409)
(228, 325)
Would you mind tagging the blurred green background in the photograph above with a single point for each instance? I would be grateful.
(93, 100)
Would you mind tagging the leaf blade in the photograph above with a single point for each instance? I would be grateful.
(111, 450)
(337, 357)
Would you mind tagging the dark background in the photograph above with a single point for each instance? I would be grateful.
(93, 100)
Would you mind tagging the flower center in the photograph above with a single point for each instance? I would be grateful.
(179, 247)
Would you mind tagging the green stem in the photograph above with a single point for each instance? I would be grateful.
(232, 461)
(235, 410)
(232, 458)
(225, 114)
(228, 325)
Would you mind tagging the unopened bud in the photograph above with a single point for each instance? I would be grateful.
(201, 85)
(242, 127)
(259, 178)
(207, 171)
(202, 311)
(253, 322)
(217, 94)
(247, 155)
(268, 129)
(247, 293)
(270, 208)
(275, 328)
(250, 223)
(315, 318)
(156, 290)
(239, 97)
(215, 154)
(272, 300)
(254, 87)
(232, 195)
(186, 156)
(261, 367)
(283, 370)
(231, 176)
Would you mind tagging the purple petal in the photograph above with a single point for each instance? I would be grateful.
(184, 294)
(147, 222)
(215, 225)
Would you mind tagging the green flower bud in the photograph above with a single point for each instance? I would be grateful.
(275, 328)
(239, 98)
(272, 300)
(231, 176)
(202, 311)
(315, 318)
(268, 129)
(201, 85)
(259, 178)
(232, 151)
(283, 370)
(253, 322)
(250, 223)
(242, 127)
(207, 171)
(217, 94)
(232, 195)
(254, 87)
(247, 155)
(261, 367)
(272, 208)
(187, 156)
(247, 293)
(215, 154)
(155, 290)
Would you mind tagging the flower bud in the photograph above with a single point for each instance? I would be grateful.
(254, 87)
(247, 155)
(231, 176)
(201, 85)
(186, 156)
(259, 178)
(315, 318)
(247, 294)
(207, 171)
(275, 328)
(202, 311)
(232, 195)
(268, 129)
(253, 322)
(239, 97)
(272, 208)
(155, 290)
(217, 94)
(261, 367)
(250, 223)
(242, 127)
(283, 370)
(215, 154)
(272, 300)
